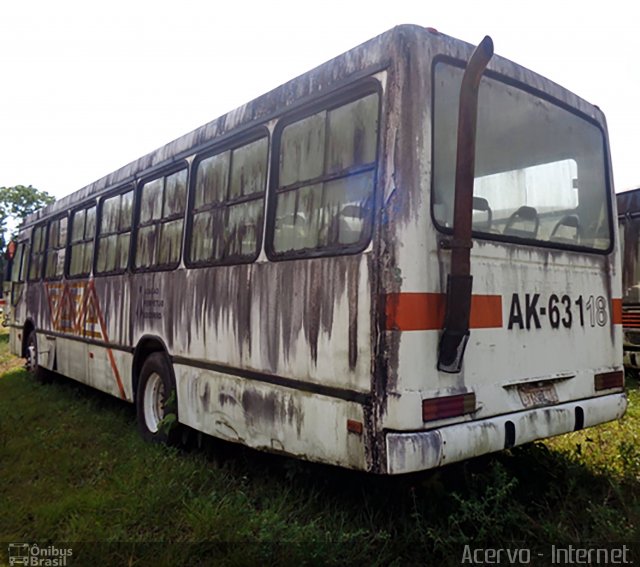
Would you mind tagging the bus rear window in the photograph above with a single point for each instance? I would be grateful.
(540, 172)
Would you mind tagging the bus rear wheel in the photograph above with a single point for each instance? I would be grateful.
(157, 402)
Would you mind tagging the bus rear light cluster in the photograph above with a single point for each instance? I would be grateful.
(448, 406)
(608, 380)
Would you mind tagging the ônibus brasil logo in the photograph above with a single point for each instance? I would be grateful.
(38, 556)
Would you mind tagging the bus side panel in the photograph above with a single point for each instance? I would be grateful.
(17, 317)
(38, 304)
(70, 357)
(105, 369)
(111, 304)
(274, 418)
(109, 370)
(15, 341)
(308, 320)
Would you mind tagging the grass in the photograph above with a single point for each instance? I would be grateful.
(73, 469)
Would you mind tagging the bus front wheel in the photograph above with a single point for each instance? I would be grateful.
(156, 401)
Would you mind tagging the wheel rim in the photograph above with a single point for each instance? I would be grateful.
(32, 356)
(154, 402)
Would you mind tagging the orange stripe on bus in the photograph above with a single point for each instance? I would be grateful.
(426, 311)
(616, 311)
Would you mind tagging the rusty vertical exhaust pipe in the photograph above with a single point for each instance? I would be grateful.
(459, 281)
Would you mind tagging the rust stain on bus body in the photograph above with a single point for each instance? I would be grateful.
(267, 308)
(400, 204)
(271, 408)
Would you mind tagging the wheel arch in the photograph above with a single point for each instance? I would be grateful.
(147, 345)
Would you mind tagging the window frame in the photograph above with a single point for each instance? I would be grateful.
(516, 240)
(232, 144)
(121, 190)
(17, 286)
(48, 224)
(625, 221)
(351, 93)
(137, 207)
(83, 207)
(40, 225)
(23, 246)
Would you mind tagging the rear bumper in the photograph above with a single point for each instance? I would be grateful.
(410, 452)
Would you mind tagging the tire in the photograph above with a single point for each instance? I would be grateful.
(157, 402)
(31, 358)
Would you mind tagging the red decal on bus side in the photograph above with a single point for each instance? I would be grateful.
(426, 311)
(90, 305)
(105, 337)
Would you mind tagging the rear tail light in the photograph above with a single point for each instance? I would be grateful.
(608, 380)
(448, 406)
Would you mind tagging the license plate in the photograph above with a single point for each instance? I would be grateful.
(536, 396)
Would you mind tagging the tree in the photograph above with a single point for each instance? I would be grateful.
(15, 204)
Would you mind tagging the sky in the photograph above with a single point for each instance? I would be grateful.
(86, 87)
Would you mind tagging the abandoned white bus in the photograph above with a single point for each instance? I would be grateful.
(344, 270)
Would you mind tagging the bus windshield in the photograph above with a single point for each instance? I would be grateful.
(540, 172)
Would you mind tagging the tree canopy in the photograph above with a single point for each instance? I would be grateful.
(15, 204)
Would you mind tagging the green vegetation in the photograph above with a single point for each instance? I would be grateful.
(72, 469)
(15, 204)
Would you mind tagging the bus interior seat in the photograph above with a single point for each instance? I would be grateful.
(561, 235)
(482, 205)
(346, 225)
(523, 223)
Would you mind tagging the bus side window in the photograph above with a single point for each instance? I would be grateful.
(37, 253)
(229, 204)
(56, 248)
(114, 234)
(326, 178)
(162, 204)
(24, 263)
(17, 275)
(83, 228)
